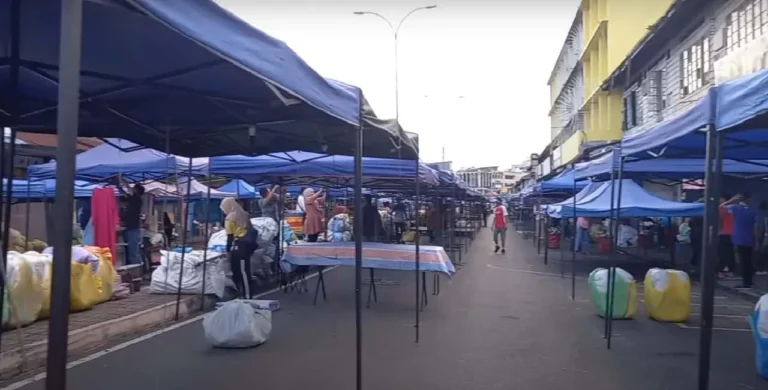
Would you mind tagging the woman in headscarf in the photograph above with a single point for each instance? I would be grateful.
(241, 242)
(313, 224)
(339, 228)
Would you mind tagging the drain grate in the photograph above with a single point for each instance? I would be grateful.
(381, 282)
(510, 317)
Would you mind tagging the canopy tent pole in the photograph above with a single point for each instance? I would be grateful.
(417, 257)
(712, 192)
(67, 115)
(614, 249)
(358, 229)
(610, 244)
(185, 225)
(8, 189)
(26, 212)
(573, 242)
(205, 241)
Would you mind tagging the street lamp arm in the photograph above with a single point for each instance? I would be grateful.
(400, 24)
(380, 16)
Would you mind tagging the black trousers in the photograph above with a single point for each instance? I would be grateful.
(725, 253)
(240, 261)
(745, 261)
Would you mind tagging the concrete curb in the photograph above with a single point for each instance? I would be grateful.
(33, 356)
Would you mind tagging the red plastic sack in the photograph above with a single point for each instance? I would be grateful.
(604, 244)
(554, 241)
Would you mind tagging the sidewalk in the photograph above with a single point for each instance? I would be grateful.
(25, 349)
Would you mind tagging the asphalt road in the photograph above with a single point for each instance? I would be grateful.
(503, 322)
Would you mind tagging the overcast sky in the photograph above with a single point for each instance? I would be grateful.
(472, 73)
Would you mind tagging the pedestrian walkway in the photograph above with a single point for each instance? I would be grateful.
(503, 322)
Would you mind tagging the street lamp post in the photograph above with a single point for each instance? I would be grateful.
(395, 32)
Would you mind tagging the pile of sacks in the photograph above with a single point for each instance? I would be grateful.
(28, 293)
(262, 257)
(165, 278)
(18, 243)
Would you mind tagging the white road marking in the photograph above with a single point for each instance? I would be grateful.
(525, 271)
(42, 375)
(684, 326)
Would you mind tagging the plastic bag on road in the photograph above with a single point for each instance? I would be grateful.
(667, 295)
(624, 293)
(759, 322)
(237, 324)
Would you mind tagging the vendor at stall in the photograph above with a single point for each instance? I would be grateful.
(270, 198)
(373, 227)
(241, 242)
(313, 223)
(132, 222)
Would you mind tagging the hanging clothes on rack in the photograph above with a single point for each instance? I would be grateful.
(105, 217)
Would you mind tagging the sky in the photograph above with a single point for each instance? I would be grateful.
(472, 74)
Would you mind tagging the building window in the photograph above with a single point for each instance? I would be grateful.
(631, 118)
(745, 24)
(696, 65)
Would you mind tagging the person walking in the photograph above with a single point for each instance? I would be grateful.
(500, 227)
(241, 243)
(743, 235)
(582, 234)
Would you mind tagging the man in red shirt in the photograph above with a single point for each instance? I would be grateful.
(500, 226)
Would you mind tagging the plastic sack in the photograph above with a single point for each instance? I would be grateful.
(267, 229)
(23, 295)
(624, 293)
(83, 293)
(237, 324)
(165, 278)
(42, 267)
(667, 295)
(104, 277)
(759, 322)
(218, 241)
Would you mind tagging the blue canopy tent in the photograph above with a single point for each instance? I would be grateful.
(46, 189)
(665, 168)
(192, 77)
(553, 210)
(635, 202)
(120, 157)
(320, 170)
(562, 182)
(241, 188)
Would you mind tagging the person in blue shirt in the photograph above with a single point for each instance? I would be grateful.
(743, 236)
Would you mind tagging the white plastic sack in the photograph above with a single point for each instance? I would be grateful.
(759, 322)
(267, 228)
(237, 325)
(23, 292)
(165, 278)
(218, 241)
(79, 255)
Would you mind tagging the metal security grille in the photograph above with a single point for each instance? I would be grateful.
(745, 24)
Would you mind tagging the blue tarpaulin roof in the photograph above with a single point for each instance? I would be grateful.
(635, 202)
(46, 189)
(738, 104)
(563, 181)
(320, 170)
(554, 209)
(665, 168)
(191, 73)
(121, 157)
(241, 188)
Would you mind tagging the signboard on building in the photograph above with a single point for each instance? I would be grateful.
(751, 58)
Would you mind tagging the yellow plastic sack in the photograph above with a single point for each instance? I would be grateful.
(409, 237)
(83, 292)
(23, 294)
(104, 278)
(667, 295)
(42, 267)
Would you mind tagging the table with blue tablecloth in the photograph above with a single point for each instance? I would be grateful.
(375, 256)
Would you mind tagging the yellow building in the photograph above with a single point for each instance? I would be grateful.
(608, 30)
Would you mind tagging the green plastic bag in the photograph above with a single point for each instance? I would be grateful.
(624, 293)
